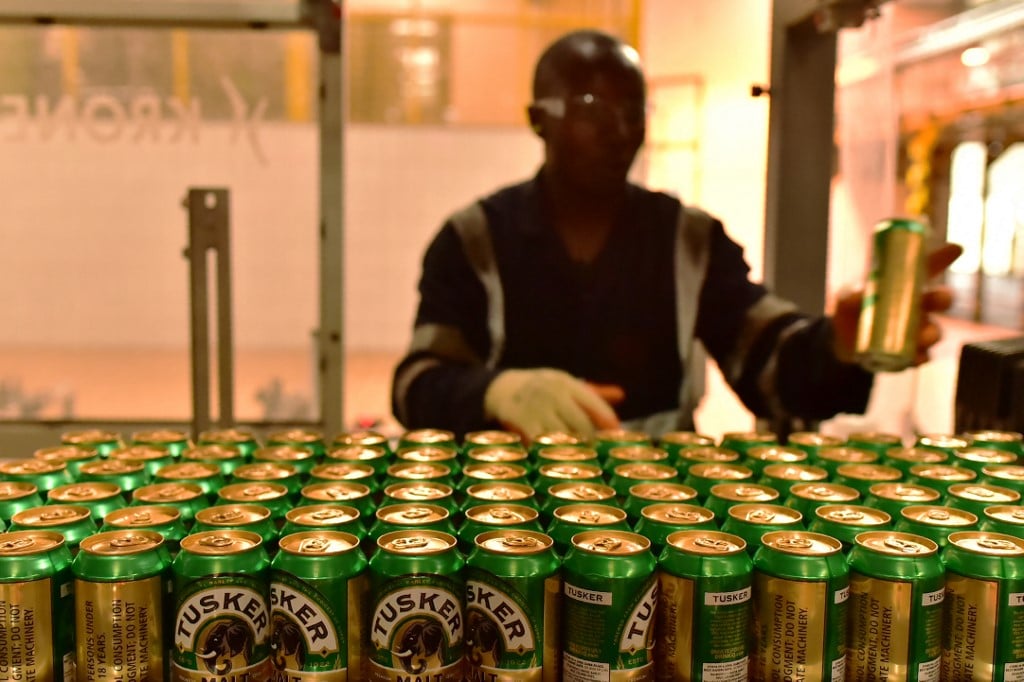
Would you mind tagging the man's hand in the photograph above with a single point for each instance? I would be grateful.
(934, 299)
(535, 401)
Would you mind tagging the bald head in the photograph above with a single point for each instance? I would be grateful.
(573, 60)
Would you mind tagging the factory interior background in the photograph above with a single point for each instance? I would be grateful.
(103, 130)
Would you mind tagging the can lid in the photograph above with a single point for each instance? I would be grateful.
(981, 492)
(492, 437)
(1005, 472)
(114, 467)
(361, 437)
(427, 453)
(211, 452)
(84, 491)
(418, 470)
(64, 453)
(567, 453)
(673, 513)
(985, 456)
(611, 542)
(795, 472)
(497, 454)
(89, 437)
(765, 514)
(895, 543)
(514, 542)
(412, 513)
(226, 436)
(15, 490)
(416, 542)
(815, 439)
(30, 467)
(918, 455)
(266, 471)
(577, 471)
(501, 514)
(991, 544)
(220, 542)
(667, 492)
(905, 492)
(357, 452)
(494, 471)
(232, 514)
(167, 492)
(988, 436)
(744, 492)
(943, 472)
(942, 441)
(28, 542)
(621, 436)
(121, 542)
(503, 491)
(322, 515)
(776, 453)
(750, 437)
(143, 515)
(638, 452)
(709, 454)
(428, 436)
(581, 491)
(139, 453)
(560, 438)
(875, 437)
(332, 491)
(318, 543)
(853, 515)
(686, 438)
(1007, 513)
(646, 471)
(344, 471)
(189, 471)
(706, 543)
(418, 491)
(824, 492)
(869, 472)
(295, 436)
(159, 436)
(938, 515)
(720, 472)
(848, 455)
(802, 543)
(590, 514)
(51, 515)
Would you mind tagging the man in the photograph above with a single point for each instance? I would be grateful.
(578, 301)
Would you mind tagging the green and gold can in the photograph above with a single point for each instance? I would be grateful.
(496, 517)
(1006, 475)
(724, 496)
(73, 456)
(606, 439)
(243, 441)
(879, 441)
(905, 459)
(513, 597)
(845, 522)
(303, 459)
(427, 437)
(563, 494)
(100, 497)
(610, 607)
(674, 442)
(274, 472)
(324, 517)
(783, 477)
(761, 456)
(489, 472)
(976, 497)
(893, 497)
(566, 454)
(943, 442)
(571, 519)
(73, 521)
(935, 522)
(150, 456)
(982, 638)
(173, 441)
(128, 476)
(704, 605)
(553, 474)
(379, 458)
(187, 498)
(940, 476)
(122, 579)
(163, 519)
(221, 627)
(416, 626)
(633, 454)
(93, 439)
(863, 476)
(254, 518)
(831, 458)
(365, 437)
(752, 521)
(411, 516)
(306, 439)
(404, 472)
(1008, 519)
(226, 457)
(37, 609)
(658, 521)
(429, 492)
(341, 492)
(337, 471)
(705, 455)
(432, 454)
(897, 588)
(45, 475)
(318, 601)
(644, 494)
(625, 476)
(742, 441)
(499, 454)
(1010, 441)
(977, 459)
(806, 497)
(801, 588)
(16, 496)
(703, 477)
(203, 474)
(550, 438)
(488, 438)
(499, 491)
(274, 496)
(813, 442)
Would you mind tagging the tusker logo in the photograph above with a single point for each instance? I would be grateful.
(494, 624)
(299, 626)
(637, 633)
(417, 625)
(221, 626)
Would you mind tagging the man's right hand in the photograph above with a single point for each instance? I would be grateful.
(535, 401)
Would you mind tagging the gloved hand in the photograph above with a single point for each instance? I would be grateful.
(535, 401)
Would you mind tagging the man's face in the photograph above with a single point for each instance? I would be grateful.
(591, 147)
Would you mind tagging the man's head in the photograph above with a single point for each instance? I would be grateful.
(590, 109)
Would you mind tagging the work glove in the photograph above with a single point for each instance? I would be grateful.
(535, 401)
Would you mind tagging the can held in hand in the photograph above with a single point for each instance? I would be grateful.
(611, 594)
(513, 593)
(122, 579)
(887, 331)
(704, 607)
(318, 598)
(897, 587)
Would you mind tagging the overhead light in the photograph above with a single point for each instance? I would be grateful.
(974, 56)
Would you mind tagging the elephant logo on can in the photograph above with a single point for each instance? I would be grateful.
(287, 646)
(226, 645)
(419, 645)
(483, 639)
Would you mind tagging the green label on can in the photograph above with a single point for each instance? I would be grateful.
(308, 630)
(500, 633)
(32, 646)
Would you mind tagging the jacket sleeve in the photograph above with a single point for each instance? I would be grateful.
(440, 383)
(778, 361)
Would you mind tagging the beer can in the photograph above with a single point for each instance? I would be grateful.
(73, 456)
(845, 522)
(742, 441)
(1011, 441)
(163, 519)
(487, 472)
(281, 473)
(892, 497)
(16, 496)
(941, 442)
(632, 454)
(404, 472)
(499, 454)
(801, 587)
(428, 492)
(977, 459)
(415, 438)
(73, 521)
(410, 516)
(564, 494)
(122, 578)
(831, 458)
(43, 474)
(887, 330)
(500, 491)
(491, 438)
(704, 606)
(705, 455)
(173, 441)
(658, 521)
(221, 627)
(1006, 475)
(239, 439)
(226, 457)
(940, 476)
(610, 606)
(571, 519)
(349, 493)
(101, 498)
(727, 495)
(203, 474)
(783, 477)
(905, 459)
(544, 440)
(93, 439)
(150, 456)
(494, 517)
(318, 601)
(37, 635)
(644, 494)
(1008, 519)
(128, 476)
(752, 521)
(806, 497)
(897, 586)
(863, 476)
(553, 474)
(935, 522)
(416, 624)
(813, 442)
(625, 476)
(566, 454)
(879, 441)
(254, 518)
(513, 592)
(432, 454)
(306, 439)
(703, 477)
(761, 456)
(975, 497)
(982, 637)
(365, 437)
(379, 458)
(324, 517)
(606, 439)
(674, 442)
(187, 498)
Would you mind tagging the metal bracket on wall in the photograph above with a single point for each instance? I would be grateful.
(208, 223)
